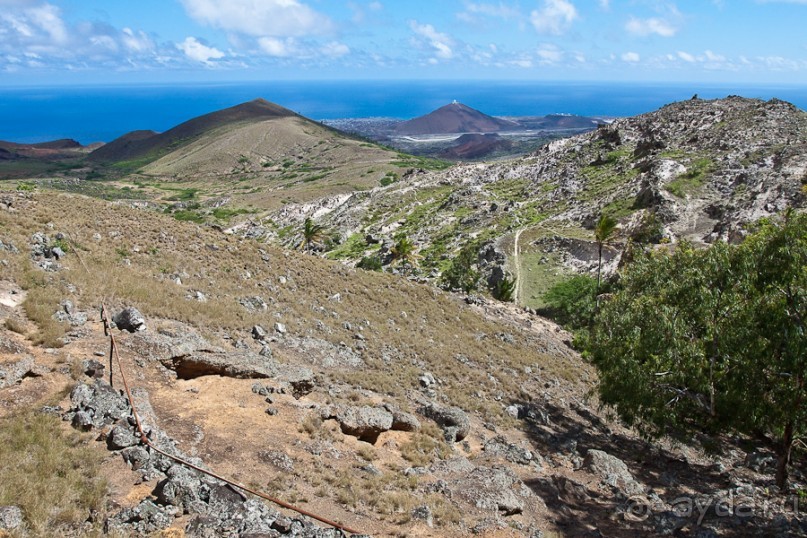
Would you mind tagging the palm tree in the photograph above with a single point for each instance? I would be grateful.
(312, 233)
(605, 228)
(403, 250)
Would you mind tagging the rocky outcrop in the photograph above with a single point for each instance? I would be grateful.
(452, 420)
(500, 447)
(13, 372)
(700, 169)
(215, 508)
(402, 421)
(495, 489)
(612, 471)
(242, 365)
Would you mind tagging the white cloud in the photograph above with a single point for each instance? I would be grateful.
(48, 19)
(260, 18)
(605, 4)
(500, 10)
(39, 24)
(199, 52)
(441, 43)
(279, 48)
(105, 42)
(524, 63)
(334, 49)
(136, 41)
(549, 54)
(631, 57)
(687, 57)
(653, 25)
(555, 17)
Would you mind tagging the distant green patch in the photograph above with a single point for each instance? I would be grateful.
(370, 263)
(463, 212)
(388, 179)
(353, 248)
(600, 180)
(426, 163)
(286, 231)
(692, 180)
(225, 213)
(188, 215)
(26, 187)
(183, 195)
(315, 177)
(532, 213)
(508, 189)
(539, 272)
(619, 209)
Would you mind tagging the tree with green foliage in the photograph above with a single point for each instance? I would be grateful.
(312, 233)
(370, 263)
(605, 228)
(571, 302)
(711, 340)
(462, 274)
(505, 289)
(403, 251)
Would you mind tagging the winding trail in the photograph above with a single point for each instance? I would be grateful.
(517, 266)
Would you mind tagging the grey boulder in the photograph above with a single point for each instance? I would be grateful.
(612, 471)
(364, 422)
(130, 319)
(452, 420)
(10, 518)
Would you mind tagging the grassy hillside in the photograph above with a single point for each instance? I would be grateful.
(370, 337)
(696, 170)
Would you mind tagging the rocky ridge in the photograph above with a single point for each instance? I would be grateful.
(696, 170)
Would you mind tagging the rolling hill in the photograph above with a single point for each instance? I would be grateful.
(454, 118)
(143, 146)
(250, 157)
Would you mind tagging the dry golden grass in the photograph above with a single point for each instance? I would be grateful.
(134, 256)
(425, 446)
(15, 325)
(408, 328)
(52, 475)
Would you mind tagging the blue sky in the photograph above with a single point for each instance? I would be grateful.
(111, 41)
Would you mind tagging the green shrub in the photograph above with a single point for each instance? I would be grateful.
(462, 274)
(650, 230)
(388, 179)
(571, 302)
(370, 263)
(26, 187)
(505, 289)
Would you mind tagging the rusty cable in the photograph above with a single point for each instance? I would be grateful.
(113, 352)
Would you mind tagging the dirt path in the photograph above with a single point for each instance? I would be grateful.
(517, 266)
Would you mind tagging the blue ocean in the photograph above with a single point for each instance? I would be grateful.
(102, 113)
